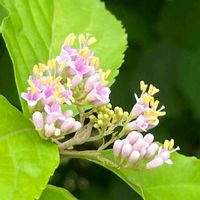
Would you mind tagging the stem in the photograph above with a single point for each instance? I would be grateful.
(91, 155)
(81, 114)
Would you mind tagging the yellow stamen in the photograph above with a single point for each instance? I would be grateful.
(52, 64)
(155, 104)
(58, 79)
(43, 80)
(146, 98)
(36, 70)
(62, 66)
(168, 145)
(70, 39)
(32, 87)
(68, 82)
(92, 40)
(143, 86)
(85, 52)
(152, 90)
(82, 38)
(94, 62)
(50, 79)
(41, 67)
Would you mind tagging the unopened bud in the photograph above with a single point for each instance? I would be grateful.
(155, 163)
(134, 136)
(126, 150)
(151, 150)
(117, 147)
(133, 158)
(149, 138)
(38, 120)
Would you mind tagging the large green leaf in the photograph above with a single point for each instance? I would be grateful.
(178, 181)
(27, 161)
(35, 30)
(56, 193)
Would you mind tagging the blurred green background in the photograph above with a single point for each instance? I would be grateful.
(164, 49)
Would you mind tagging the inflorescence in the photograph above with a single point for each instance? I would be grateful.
(74, 81)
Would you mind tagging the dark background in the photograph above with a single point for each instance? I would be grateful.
(164, 49)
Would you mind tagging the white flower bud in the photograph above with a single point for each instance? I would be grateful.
(76, 127)
(133, 136)
(151, 150)
(49, 130)
(143, 151)
(125, 141)
(38, 120)
(139, 144)
(133, 158)
(156, 162)
(67, 124)
(149, 138)
(117, 147)
(126, 151)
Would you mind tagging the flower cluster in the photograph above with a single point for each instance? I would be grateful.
(144, 113)
(75, 81)
(139, 151)
(73, 77)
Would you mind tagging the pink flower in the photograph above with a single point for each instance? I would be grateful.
(31, 97)
(99, 95)
(143, 123)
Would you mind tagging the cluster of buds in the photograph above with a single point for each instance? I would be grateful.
(73, 77)
(106, 116)
(141, 151)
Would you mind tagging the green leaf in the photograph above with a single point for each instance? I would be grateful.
(27, 161)
(3, 13)
(56, 193)
(178, 181)
(35, 31)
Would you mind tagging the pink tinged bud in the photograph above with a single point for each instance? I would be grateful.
(134, 157)
(139, 144)
(38, 120)
(49, 130)
(126, 151)
(117, 147)
(67, 124)
(151, 150)
(76, 127)
(125, 141)
(133, 136)
(156, 162)
(143, 151)
(149, 138)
